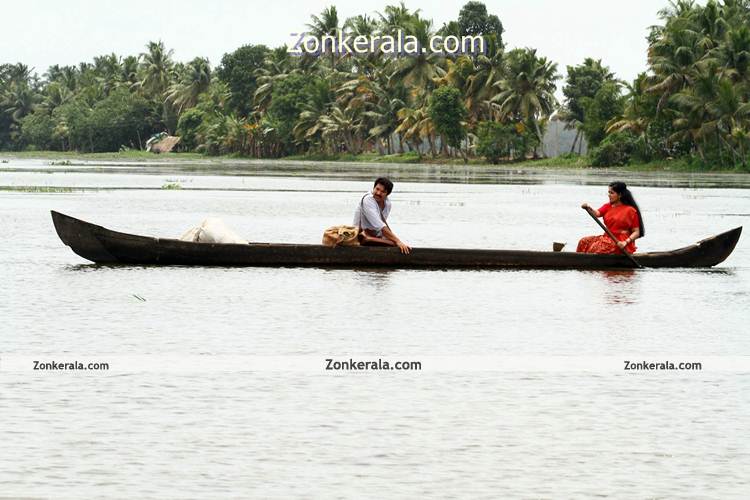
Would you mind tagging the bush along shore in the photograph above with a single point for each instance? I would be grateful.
(688, 110)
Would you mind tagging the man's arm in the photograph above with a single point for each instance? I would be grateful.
(392, 236)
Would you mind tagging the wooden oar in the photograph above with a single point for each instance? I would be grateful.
(589, 210)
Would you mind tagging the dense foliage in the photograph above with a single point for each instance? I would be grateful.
(265, 102)
(692, 99)
(447, 112)
(496, 141)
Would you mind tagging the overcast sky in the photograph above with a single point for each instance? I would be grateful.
(42, 33)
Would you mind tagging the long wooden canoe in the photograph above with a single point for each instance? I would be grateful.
(104, 246)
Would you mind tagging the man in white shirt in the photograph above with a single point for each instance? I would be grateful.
(372, 213)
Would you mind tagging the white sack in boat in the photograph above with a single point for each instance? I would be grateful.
(212, 230)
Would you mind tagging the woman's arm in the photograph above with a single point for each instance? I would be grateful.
(593, 211)
(633, 236)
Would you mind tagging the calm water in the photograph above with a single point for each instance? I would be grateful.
(451, 432)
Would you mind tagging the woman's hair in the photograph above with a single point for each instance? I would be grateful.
(626, 198)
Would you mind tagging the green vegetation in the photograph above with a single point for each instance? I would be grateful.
(688, 109)
(497, 141)
(447, 113)
(171, 185)
(262, 102)
(568, 160)
(692, 104)
(68, 157)
(582, 85)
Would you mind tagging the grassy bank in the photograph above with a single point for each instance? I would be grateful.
(566, 162)
(129, 155)
(677, 165)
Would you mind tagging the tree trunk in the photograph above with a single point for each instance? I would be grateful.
(742, 153)
(419, 152)
(575, 139)
(541, 139)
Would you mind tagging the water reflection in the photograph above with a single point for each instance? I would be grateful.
(91, 267)
(726, 271)
(621, 286)
(378, 278)
(83, 268)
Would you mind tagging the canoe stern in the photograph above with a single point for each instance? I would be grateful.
(718, 248)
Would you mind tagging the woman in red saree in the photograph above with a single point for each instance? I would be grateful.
(621, 216)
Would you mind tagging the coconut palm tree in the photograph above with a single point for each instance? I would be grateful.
(156, 70)
(19, 73)
(69, 77)
(457, 72)
(195, 79)
(19, 100)
(695, 121)
(108, 72)
(731, 111)
(711, 25)
(277, 66)
(55, 95)
(415, 126)
(418, 72)
(673, 52)
(635, 117)
(53, 73)
(327, 24)
(310, 125)
(395, 18)
(527, 93)
(344, 126)
(733, 56)
(382, 104)
(129, 71)
(363, 25)
(480, 86)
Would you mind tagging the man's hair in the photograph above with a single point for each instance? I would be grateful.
(385, 182)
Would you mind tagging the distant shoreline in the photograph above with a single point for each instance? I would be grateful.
(567, 162)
